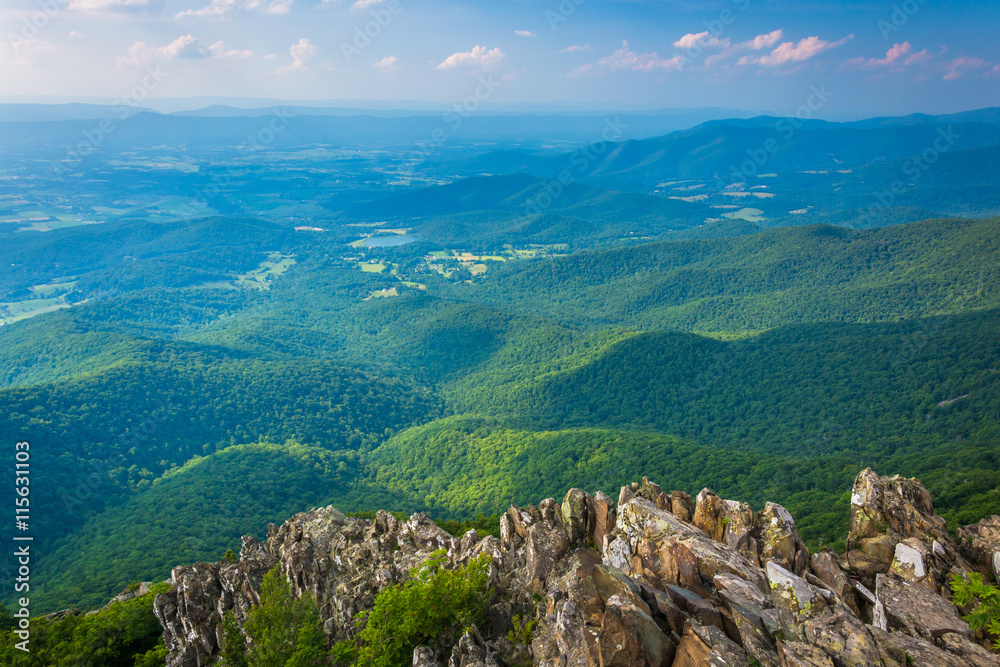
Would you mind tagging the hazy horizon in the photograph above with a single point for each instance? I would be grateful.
(872, 59)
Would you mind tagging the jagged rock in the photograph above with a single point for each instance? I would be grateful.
(191, 612)
(603, 512)
(547, 543)
(630, 636)
(522, 519)
(708, 514)
(654, 494)
(825, 566)
(750, 618)
(884, 512)
(779, 539)
(795, 600)
(795, 654)
(681, 505)
(654, 544)
(423, 656)
(902, 506)
(693, 651)
(914, 610)
(726, 521)
(696, 607)
(573, 613)
(575, 515)
(667, 613)
(702, 646)
(469, 653)
(913, 561)
(907, 650)
(751, 632)
(980, 543)
(970, 652)
(655, 589)
(612, 582)
(845, 639)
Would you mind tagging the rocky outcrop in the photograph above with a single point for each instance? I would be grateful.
(654, 579)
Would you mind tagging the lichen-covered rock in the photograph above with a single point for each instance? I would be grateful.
(634, 584)
(708, 645)
(896, 505)
(980, 543)
(779, 539)
(630, 636)
(547, 542)
(796, 601)
(907, 650)
(796, 654)
(826, 567)
(423, 656)
(916, 611)
(844, 638)
(726, 521)
(575, 515)
(603, 512)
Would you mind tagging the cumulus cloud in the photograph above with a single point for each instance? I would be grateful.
(302, 53)
(479, 56)
(791, 52)
(625, 58)
(958, 67)
(220, 8)
(900, 55)
(525, 33)
(574, 48)
(185, 46)
(388, 62)
(762, 41)
(702, 39)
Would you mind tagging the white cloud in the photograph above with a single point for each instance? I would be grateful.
(271, 56)
(762, 41)
(759, 42)
(574, 48)
(624, 58)
(900, 55)
(75, 33)
(525, 33)
(702, 39)
(791, 52)
(479, 56)
(215, 9)
(362, 4)
(959, 66)
(97, 5)
(389, 62)
(220, 8)
(302, 54)
(185, 46)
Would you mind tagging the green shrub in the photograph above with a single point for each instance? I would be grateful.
(125, 633)
(986, 614)
(285, 632)
(434, 608)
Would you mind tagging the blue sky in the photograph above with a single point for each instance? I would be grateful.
(869, 58)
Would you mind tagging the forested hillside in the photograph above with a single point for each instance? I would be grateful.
(168, 415)
(784, 276)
